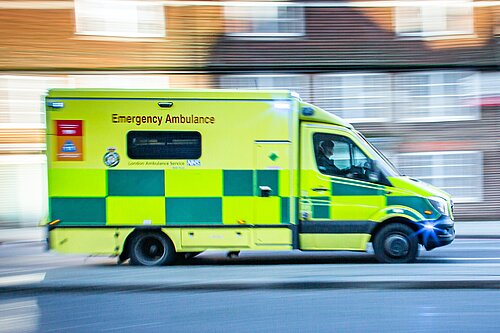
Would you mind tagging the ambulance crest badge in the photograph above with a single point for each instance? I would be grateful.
(111, 158)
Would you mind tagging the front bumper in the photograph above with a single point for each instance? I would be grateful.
(437, 233)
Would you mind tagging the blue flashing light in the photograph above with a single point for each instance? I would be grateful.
(307, 111)
(429, 226)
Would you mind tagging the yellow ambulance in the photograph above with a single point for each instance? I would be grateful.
(156, 175)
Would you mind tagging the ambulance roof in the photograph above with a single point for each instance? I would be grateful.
(314, 113)
(174, 94)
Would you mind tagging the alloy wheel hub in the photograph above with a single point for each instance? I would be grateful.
(397, 245)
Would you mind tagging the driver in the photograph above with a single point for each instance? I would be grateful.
(325, 159)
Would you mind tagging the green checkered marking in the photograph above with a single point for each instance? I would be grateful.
(136, 183)
(79, 211)
(193, 210)
(321, 211)
(285, 210)
(269, 178)
(353, 189)
(238, 183)
(418, 203)
(180, 208)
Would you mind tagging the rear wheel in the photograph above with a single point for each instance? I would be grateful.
(396, 243)
(151, 249)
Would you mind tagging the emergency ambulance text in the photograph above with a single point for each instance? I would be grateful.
(138, 120)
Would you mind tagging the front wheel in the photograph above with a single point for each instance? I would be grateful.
(396, 243)
(151, 249)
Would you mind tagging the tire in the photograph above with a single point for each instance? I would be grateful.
(396, 243)
(151, 249)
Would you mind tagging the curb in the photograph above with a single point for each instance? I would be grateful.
(26, 241)
(307, 285)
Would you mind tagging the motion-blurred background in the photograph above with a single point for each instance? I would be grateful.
(421, 79)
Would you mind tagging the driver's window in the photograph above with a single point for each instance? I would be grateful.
(341, 154)
(337, 155)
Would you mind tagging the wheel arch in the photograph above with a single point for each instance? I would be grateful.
(125, 254)
(396, 219)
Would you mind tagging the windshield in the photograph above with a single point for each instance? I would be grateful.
(383, 162)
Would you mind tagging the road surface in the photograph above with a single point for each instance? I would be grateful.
(454, 288)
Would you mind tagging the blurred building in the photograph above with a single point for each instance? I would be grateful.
(420, 78)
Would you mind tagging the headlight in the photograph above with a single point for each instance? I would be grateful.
(439, 204)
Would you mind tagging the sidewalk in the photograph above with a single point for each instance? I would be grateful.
(23, 235)
(489, 229)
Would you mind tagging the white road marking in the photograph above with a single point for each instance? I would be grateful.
(19, 315)
(459, 259)
(16, 280)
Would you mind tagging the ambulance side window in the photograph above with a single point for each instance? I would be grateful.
(163, 145)
(337, 155)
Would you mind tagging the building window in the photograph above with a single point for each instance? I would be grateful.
(490, 84)
(436, 96)
(354, 97)
(120, 18)
(297, 83)
(460, 173)
(431, 18)
(163, 145)
(151, 81)
(490, 89)
(271, 20)
(21, 100)
(387, 146)
(23, 194)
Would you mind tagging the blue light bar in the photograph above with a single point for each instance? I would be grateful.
(56, 105)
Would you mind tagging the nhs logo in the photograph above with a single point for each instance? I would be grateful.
(195, 163)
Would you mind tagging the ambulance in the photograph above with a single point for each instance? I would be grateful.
(158, 175)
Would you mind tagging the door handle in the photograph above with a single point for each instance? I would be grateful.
(265, 191)
(319, 189)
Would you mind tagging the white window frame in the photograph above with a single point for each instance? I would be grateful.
(119, 81)
(364, 97)
(23, 98)
(433, 18)
(266, 81)
(404, 100)
(120, 18)
(490, 84)
(254, 15)
(444, 175)
(23, 195)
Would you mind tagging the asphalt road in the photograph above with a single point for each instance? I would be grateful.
(255, 311)
(455, 288)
